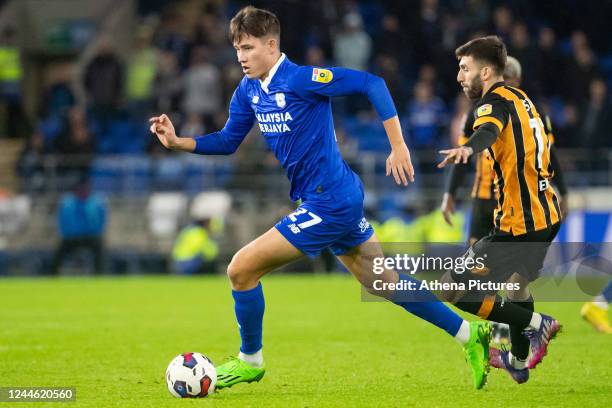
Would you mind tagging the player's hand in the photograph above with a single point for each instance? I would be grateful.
(400, 165)
(164, 130)
(563, 206)
(448, 208)
(457, 155)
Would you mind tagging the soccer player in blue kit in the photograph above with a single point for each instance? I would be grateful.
(292, 105)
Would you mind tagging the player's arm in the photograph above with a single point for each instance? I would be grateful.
(491, 117)
(225, 141)
(313, 83)
(455, 178)
(456, 175)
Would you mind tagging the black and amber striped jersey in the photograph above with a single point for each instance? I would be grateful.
(521, 161)
(484, 184)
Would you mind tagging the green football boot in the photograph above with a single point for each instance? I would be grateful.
(477, 352)
(235, 371)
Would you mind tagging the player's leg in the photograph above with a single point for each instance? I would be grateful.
(596, 311)
(505, 254)
(67, 246)
(423, 303)
(266, 253)
(481, 225)
(420, 302)
(521, 297)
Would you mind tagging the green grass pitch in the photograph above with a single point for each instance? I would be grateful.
(112, 339)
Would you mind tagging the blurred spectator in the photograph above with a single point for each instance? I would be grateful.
(388, 68)
(596, 117)
(475, 15)
(581, 70)
(202, 88)
(31, 166)
(425, 116)
(315, 57)
(429, 75)
(103, 81)
(82, 222)
(194, 251)
(171, 38)
(12, 117)
(75, 148)
(58, 94)
(568, 134)
(352, 45)
(429, 40)
(167, 84)
(141, 72)
(392, 40)
(193, 126)
(550, 63)
(521, 49)
(502, 23)
(211, 32)
(463, 108)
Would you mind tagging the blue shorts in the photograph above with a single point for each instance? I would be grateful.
(332, 222)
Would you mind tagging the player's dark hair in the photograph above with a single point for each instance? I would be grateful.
(254, 22)
(490, 50)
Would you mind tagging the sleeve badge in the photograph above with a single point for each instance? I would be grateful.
(322, 75)
(484, 110)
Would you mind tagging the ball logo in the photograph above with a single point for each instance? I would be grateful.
(280, 100)
(484, 110)
(322, 75)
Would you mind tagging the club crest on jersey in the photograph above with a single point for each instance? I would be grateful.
(485, 109)
(322, 75)
(255, 99)
(280, 100)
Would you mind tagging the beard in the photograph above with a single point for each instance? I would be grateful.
(474, 89)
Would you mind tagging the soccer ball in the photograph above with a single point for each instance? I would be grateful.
(191, 375)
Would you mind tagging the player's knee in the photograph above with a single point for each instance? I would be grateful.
(239, 274)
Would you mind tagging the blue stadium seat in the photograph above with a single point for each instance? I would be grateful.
(169, 174)
(106, 175)
(136, 175)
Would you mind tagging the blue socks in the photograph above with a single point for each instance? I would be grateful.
(427, 306)
(249, 306)
(607, 292)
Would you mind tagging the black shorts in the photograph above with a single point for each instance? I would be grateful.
(499, 255)
(482, 222)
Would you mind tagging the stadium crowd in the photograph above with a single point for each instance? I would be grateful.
(184, 65)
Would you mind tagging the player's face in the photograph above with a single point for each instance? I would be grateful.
(254, 55)
(469, 77)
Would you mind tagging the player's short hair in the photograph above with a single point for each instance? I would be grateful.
(255, 22)
(513, 68)
(490, 50)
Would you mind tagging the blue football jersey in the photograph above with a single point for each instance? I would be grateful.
(292, 108)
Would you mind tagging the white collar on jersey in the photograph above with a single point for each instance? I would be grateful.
(266, 82)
